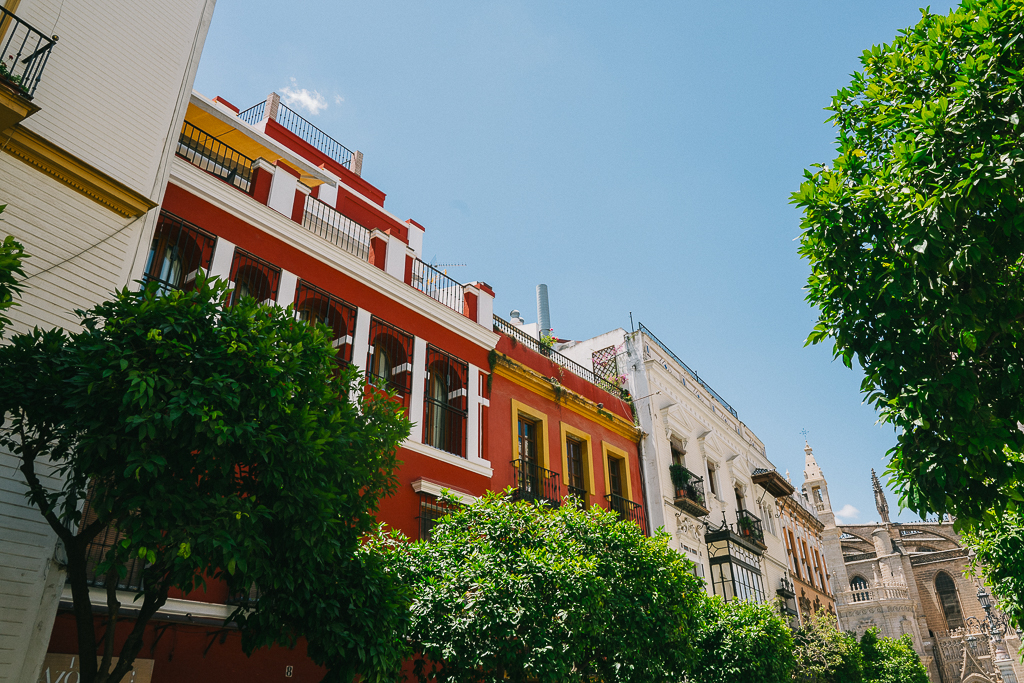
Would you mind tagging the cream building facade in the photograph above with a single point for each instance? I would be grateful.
(707, 478)
(92, 99)
(911, 579)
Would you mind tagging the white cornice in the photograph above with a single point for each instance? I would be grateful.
(480, 466)
(174, 607)
(227, 198)
(435, 489)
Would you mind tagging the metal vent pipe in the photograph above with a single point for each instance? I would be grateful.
(543, 311)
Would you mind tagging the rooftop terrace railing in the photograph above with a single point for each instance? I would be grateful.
(505, 327)
(437, 285)
(337, 228)
(304, 129)
(25, 51)
(686, 367)
(210, 154)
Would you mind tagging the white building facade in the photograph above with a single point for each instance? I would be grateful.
(91, 104)
(707, 479)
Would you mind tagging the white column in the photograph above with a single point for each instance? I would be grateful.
(419, 381)
(282, 192)
(394, 264)
(473, 401)
(220, 266)
(286, 288)
(361, 339)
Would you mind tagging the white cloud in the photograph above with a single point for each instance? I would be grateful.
(300, 98)
(338, 99)
(848, 512)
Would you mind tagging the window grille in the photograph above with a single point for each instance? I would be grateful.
(445, 402)
(605, 363)
(179, 249)
(389, 362)
(432, 509)
(96, 553)
(949, 600)
(252, 276)
(313, 304)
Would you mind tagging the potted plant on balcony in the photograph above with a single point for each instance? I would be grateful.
(746, 525)
(680, 479)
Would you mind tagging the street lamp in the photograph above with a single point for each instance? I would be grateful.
(997, 626)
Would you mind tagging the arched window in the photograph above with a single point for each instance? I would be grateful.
(444, 424)
(390, 358)
(859, 586)
(946, 590)
(178, 250)
(314, 305)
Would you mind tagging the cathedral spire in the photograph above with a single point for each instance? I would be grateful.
(880, 502)
(811, 469)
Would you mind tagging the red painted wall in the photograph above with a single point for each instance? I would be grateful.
(220, 223)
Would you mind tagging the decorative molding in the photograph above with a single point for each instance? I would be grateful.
(481, 467)
(434, 489)
(37, 151)
(14, 108)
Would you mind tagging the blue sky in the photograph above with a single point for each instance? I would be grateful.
(635, 157)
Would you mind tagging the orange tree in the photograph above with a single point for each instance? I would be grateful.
(220, 441)
(915, 237)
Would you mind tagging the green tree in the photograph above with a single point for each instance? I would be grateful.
(12, 253)
(998, 557)
(742, 641)
(520, 591)
(221, 441)
(824, 654)
(915, 237)
(891, 660)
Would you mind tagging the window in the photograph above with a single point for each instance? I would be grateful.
(314, 305)
(817, 494)
(859, 586)
(254, 277)
(179, 249)
(96, 553)
(795, 556)
(614, 476)
(445, 402)
(431, 510)
(948, 599)
(735, 571)
(574, 460)
(711, 480)
(389, 360)
(739, 499)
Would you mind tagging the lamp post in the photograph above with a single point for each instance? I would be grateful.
(997, 626)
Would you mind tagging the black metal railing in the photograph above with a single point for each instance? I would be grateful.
(96, 553)
(580, 494)
(432, 509)
(627, 510)
(210, 154)
(253, 114)
(302, 128)
(505, 327)
(437, 285)
(686, 367)
(337, 228)
(25, 53)
(750, 526)
(536, 483)
(689, 488)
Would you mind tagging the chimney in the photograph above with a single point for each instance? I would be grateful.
(543, 311)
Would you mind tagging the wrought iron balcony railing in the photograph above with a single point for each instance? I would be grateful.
(437, 285)
(24, 55)
(689, 491)
(686, 367)
(750, 526)
(627, 510)
(580, 494)
(505, 327)
(210, 154)
(96, 553)
(305, 130)
(336, 228)
(534, 483)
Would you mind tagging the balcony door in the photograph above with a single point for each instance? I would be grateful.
(529, 484)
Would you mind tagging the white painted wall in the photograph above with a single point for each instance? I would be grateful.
(113, 94)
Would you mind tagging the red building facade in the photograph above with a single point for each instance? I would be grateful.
(271, 203)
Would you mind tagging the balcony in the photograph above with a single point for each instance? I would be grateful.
(689, 491)
(337, 228)
(206, 152)
(874, 593)
(96, 554)
(301, 128)
(534, 483)
(580, 494)
(437, 285)
(627, 510)
(749, 526)
(22, 59)
(505, 327)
